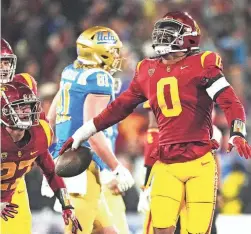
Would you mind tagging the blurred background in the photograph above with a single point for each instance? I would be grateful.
(42, 34)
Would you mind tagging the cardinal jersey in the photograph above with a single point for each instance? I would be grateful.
(16, 162)
(75, 85)
(179, 100)
(177, 97)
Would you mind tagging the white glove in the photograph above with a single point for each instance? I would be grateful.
(87, 130)
(124, 178)
(46, 190)
(144, 201)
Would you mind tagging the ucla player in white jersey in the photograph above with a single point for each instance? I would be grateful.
(86, 88)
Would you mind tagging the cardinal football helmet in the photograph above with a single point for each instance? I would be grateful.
(175, 32)
(8, 62)
(20, 108)
(100, 47)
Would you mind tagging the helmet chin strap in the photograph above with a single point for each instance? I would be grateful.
(164, 49)
(167, 49)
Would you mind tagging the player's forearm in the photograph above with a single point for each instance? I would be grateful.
(51, 116)
(234, 111)
(46, 163)
(99, 144)
(117, 110)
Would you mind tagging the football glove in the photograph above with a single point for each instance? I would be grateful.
(124, 178)
(8, 210)
(241, 145)
(70, 219)
(82, 134)
(68, 210)
(144, 200)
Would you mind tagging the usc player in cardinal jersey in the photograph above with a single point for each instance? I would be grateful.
(181, 84)
(7, 75)
(24, 141)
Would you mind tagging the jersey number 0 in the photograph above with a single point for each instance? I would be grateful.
(174, 93)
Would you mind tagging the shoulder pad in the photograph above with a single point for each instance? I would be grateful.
(94, 72)
(149, 61)
(209, 58)
(28, 80)
(47, 130)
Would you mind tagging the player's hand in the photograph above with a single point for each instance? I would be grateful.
(70, 219)
(108, 179)
(8, 210)
(124, 178)
(241, 145)
(66, 146)
(113, 186)
(82, 134)
(144, 201)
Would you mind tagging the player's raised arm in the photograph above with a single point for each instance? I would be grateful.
(224, 95)
(57, 184)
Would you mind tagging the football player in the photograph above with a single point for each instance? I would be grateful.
(86, 88)
(181, 84)
(8, 68)
(25, 140)
(7, 75)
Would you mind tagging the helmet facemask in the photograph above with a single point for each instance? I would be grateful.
(117, 62)
(168, 36)
(7, 68)
(18, 118)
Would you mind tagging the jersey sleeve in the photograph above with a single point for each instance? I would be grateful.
(212, 77)
(28, 80)
(46, 163)
(209, 59)
(97, 82)
(218, 88)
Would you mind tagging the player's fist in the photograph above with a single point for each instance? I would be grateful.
(144, 201)
(8, 210)
(70, 219)
(124, 178)
(241, 145)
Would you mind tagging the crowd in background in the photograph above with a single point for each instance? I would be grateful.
(43, 34)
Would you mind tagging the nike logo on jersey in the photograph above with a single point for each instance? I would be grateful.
(183, 67)
(33, 152)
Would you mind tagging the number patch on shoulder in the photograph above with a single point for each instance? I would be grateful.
(102, 80)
